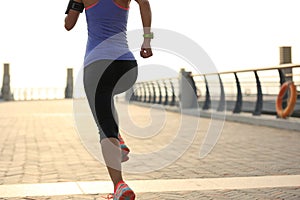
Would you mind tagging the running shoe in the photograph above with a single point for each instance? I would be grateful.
(123, 192)
(124, 148)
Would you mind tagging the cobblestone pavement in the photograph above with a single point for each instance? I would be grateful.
(250, 194)
(261, 194)
(39, 144)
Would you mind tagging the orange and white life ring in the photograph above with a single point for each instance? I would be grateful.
(291, 102)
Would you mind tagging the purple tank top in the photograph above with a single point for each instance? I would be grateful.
(107, 26)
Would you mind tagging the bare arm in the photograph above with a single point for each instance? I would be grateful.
(146, 16)
(71, 18)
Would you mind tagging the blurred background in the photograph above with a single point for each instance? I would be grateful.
(236, 35)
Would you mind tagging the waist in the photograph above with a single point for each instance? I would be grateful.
(100, 53)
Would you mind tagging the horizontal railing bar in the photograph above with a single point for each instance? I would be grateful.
(155, 80)
(283, 66)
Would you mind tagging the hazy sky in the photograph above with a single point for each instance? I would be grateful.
(236, 34)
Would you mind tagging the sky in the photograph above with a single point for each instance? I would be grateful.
(236, 34)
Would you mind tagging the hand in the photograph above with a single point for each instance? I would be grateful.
(146, 50)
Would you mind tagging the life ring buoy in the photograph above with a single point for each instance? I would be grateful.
(291, 102)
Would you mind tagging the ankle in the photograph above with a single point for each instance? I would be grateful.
(116, 185)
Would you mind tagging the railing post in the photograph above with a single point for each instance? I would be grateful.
(149, 92)
(282, 81)
(135, 92)
(141, 90)
(281, 76)
(259, 100)
(145, 92)
(154, 93)
(138, 92)
(207, 102)
(239, 97)
(221, 106)
(6, 92)
(187, 90)
(160, 94)
(69, 87)
(166, 94)
(173, 94)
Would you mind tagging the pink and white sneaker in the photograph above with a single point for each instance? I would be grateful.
(124, 148)
(123, 192)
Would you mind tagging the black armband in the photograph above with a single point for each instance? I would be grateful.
(73, 5)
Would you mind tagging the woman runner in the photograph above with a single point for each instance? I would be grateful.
(109, 69)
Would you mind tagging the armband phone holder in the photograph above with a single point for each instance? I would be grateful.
(73, 5)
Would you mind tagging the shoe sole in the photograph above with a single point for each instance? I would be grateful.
(125, 152)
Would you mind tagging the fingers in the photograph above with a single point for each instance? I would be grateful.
(146, 52)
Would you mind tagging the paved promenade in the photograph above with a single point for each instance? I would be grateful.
(40, 149)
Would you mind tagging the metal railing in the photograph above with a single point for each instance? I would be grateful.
(164, 91)
(25, 94)
(8, 93)
(253, 90)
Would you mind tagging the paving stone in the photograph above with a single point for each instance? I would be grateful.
(39, 143)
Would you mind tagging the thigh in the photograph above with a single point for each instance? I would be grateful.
(94, 82)
(98, 84)
(125, 75)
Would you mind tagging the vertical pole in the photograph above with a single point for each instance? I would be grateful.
(149, 92)
(287, 73)
(166, 94)
(136, 92)
(259, 100)
(187, 90)
(145, 92)
(6, 92)
(239, 97)
(160, 93)
(172, 103)
(286, 58)
(221, 106)
(140, 92)
(281, 76)
(69, 87)
(207, 102)
(154, 93)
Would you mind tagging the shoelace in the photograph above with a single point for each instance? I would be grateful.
(109, 196)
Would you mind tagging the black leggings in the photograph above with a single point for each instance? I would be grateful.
(102, 80)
